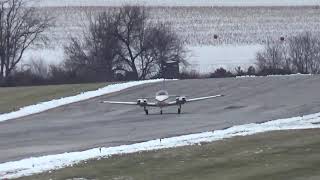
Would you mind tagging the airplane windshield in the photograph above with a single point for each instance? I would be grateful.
(162, 93)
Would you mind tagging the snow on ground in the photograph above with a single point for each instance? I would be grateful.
(36, 165)
(178, 3)
(44, 106)
(253, 76)
(206, 59)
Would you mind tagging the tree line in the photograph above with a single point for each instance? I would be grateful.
(297, 54)
(292, 55)
(126, 44)
(118, 45)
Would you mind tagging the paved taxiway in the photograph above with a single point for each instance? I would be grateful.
(89, 124)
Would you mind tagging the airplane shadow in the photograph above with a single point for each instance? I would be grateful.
(169, 113)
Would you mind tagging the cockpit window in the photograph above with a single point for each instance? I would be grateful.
(162, 93)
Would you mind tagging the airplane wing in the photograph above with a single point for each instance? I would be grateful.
(194, 99)
(128, 103)
(203, 98)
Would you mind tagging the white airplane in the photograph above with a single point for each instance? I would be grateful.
(162, 100)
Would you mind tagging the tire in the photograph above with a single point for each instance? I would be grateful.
(179, 111)
(147, 112)
(160, 111)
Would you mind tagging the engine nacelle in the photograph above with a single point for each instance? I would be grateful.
(142, 102)
(181, 100)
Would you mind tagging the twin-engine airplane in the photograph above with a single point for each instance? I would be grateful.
(162, 100)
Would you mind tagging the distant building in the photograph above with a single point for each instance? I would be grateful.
(171, 70)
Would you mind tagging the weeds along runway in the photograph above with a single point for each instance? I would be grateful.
(89, 124)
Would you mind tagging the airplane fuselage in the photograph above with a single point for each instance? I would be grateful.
(161, 98)
(162, 103)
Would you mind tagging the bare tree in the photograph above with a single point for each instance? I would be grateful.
(315, 69)
(304, 52)
(39, 67)
(76, 56)
(123, 40)
(301, 53)
(97, 53)
(131, 26)
(163, 46)
(145, 48)
(20, 27)
(239, 71)
(272, 57)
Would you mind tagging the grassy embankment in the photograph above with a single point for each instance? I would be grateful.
(281, 155)
(13, 98)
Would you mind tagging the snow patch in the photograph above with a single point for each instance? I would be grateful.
(36, 165)
(44, 106)
(286, 75)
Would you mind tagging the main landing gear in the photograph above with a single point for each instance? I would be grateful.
(146, 111)
(179, 109)
(161, 112)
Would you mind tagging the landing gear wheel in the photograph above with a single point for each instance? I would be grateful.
(160, 111)
(146, 111)
(179, 111)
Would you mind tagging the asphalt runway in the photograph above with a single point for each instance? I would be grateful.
(90, 124)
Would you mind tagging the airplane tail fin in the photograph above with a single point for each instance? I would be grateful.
(164, 83)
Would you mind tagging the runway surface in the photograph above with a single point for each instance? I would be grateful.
(90, 124)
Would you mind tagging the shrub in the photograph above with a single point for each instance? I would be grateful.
(221, 73)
